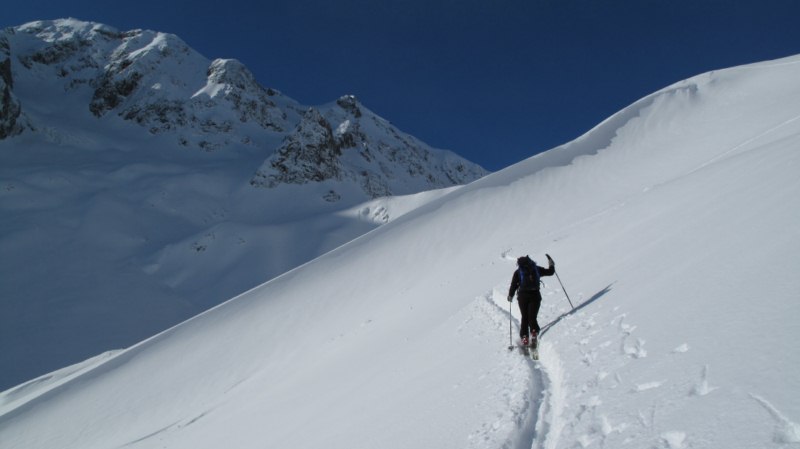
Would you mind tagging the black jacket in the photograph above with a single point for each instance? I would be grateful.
(549, 271)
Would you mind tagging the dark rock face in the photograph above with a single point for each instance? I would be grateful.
(10, 107)
(112, 90)
(309, 154)
(346, 142)
(350, 104)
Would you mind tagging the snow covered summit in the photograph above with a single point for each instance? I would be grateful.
(158, 82)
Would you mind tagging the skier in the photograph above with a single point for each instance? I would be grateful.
(526, 282)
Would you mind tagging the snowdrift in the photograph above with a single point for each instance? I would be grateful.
(674, 226)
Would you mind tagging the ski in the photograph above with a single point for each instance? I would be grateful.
(530, 350)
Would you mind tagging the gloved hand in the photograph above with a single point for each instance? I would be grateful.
(510, 298)
(550, 260)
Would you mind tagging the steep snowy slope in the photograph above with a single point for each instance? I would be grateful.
(674, 228)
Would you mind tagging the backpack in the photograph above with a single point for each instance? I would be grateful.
(528, 274)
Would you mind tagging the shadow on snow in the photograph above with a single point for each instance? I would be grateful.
(594, 298)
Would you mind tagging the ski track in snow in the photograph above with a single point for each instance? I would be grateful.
(571, 414)
(523, 404)
(539, 424)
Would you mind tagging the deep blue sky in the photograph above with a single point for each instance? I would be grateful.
(495, 80)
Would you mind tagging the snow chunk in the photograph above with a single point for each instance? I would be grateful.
(682, 348)
(673, 440)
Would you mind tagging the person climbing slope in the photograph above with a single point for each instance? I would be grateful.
(525, 283)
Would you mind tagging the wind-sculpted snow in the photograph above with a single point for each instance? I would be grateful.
(671, 225)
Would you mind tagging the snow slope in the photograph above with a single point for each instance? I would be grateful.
(675, 229)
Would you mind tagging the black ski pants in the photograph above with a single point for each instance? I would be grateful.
(529, 303)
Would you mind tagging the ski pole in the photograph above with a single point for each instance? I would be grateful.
(510, 342)
(552, 265)
(564, 289)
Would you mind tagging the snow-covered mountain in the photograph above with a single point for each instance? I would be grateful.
(157, 81)
(148, 183)
(674, 227)
(358, 150)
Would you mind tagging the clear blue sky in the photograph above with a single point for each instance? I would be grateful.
(495, 80)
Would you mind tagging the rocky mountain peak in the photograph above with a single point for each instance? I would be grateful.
(350, 104)
(310, 154)
(232, 73)
(155, 81)
(231, 83)
(345, 141)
